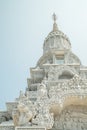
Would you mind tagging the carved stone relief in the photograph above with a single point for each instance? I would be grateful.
(72, 58)
(55, 71)
(51, 83)
(24, 112)
(28, 113)
(72, 118)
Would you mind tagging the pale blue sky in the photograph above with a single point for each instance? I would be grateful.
(24, 24)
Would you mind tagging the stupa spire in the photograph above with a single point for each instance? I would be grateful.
(55, 28)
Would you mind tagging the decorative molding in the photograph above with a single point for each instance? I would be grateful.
(30, 128)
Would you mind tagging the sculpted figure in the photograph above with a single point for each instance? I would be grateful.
(44, 118)
(42, 91)
(15, 116)
(24, 112)
(22, 96)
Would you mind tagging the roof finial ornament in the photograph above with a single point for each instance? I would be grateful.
(54, 17)
(55, 28)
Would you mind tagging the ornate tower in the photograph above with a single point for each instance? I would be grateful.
(57, 64)
(56, 96)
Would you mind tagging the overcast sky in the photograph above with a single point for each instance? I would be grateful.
(24, 24)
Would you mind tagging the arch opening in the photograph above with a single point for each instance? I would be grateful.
(66, 75)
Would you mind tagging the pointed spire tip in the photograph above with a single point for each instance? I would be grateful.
(54, 17)
(55, 28)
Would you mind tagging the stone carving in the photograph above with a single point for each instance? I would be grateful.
(42, 91)
(43, 117)
(10, 106)
(24, 112)
(59, 39)
(83, 74)
(55, 71)
(75, 83)
(72, 118)
(75, 87)
(28, 113)
(72, 59)
(56, 97)
(15, 116)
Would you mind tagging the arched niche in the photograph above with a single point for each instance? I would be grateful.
(66, 75)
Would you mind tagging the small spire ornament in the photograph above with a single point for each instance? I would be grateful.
(54, 17)
(55, 28)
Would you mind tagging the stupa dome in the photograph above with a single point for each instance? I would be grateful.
(56, 39)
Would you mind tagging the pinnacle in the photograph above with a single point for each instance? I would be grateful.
(55, 28)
